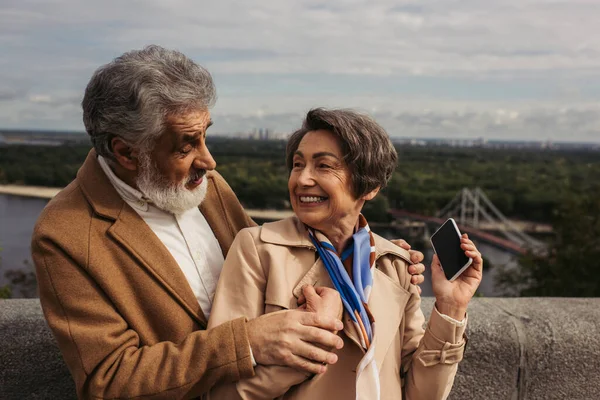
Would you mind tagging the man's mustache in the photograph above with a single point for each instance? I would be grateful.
(197, 174)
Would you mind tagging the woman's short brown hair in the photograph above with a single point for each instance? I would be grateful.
(367, 148)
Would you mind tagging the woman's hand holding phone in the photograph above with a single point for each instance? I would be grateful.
(452, 297)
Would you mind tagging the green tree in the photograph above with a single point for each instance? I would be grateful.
(376, 210)
(571, 266)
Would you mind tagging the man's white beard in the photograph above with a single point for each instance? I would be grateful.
(173, 198)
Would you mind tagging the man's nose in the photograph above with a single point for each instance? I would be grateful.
(205, 160)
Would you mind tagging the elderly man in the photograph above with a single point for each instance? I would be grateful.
(129, 254)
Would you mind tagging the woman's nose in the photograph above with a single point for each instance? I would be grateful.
(306, 177)
(205, 160)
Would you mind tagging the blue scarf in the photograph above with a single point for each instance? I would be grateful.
(355, 291)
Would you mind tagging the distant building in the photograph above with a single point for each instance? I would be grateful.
(547, 145)
(261, 134)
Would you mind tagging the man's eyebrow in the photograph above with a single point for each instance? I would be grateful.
(191, 136)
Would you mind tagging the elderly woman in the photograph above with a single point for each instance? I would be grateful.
(337, 161)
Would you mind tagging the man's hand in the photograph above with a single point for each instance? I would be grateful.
(322, 300)
(287, 337)
(417, 268)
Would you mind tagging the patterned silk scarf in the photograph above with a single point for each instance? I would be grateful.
(359, 258)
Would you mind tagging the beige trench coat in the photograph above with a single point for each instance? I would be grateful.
(265, 271)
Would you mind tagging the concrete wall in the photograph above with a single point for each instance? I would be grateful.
(532, 348)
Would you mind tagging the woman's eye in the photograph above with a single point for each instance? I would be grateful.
(324, 166)
(297, 164)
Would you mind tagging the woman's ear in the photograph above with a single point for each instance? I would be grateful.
(125, 155)
(371, 195)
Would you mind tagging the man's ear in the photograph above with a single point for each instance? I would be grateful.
(371, 195)
(124, 154)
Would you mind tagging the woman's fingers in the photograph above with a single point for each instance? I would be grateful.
(470, 249)
(437, 274)
(435, 261)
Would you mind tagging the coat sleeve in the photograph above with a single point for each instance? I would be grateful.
(429, 357)
(241, 293)
(104, 354)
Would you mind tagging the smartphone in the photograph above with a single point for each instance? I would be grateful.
(446, 244)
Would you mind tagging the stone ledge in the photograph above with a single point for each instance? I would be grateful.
(527, 348)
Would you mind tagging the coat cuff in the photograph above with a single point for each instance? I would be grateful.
(444, 341)
(242, 348)
(444, 330)
(450, 319)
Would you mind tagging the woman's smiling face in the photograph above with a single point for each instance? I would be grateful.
(320, 184)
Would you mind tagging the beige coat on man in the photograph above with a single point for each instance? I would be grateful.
(264, 272)
(125, 318)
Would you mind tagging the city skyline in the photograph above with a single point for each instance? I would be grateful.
(505, 70)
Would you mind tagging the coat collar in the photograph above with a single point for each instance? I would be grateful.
(133, 234)
(388, 299)
(291, 232)
(97, 189)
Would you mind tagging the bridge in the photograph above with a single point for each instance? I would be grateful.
(476, 215)
(472, 232)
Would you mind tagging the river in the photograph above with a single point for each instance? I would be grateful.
(19, 214)
(17, 219)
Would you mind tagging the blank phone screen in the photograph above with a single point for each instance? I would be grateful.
(446, 243)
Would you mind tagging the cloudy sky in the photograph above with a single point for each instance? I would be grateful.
(503, 69)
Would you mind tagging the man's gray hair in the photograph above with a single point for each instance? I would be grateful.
(132, 96)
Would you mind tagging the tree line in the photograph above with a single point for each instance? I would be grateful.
(523, 184)
(557, 187)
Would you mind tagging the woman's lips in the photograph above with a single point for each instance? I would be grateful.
(311, 201)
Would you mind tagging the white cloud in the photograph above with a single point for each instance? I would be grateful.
(40, 98)
(463, 59)
(580, 122)
(358, 37)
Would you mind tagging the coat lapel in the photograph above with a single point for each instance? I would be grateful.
(387, 300)
(139, 240)
(317, 275)
(214, 212)
(291, 232)
(387, 303)
(131, 232)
